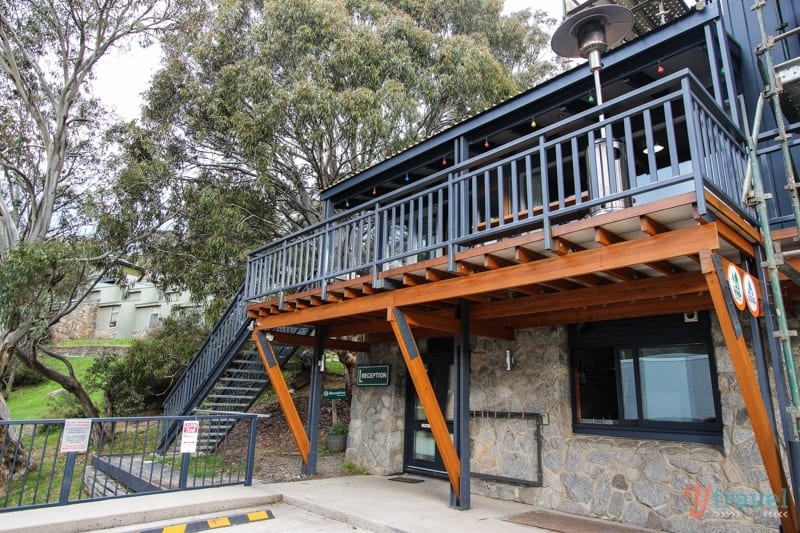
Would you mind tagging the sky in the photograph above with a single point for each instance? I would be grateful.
(122, 77)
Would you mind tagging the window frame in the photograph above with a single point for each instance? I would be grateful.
(634, 335)
(113, 316)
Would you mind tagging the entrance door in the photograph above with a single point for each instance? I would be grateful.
(420, 454)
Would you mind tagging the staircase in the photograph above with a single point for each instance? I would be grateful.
(226, 375)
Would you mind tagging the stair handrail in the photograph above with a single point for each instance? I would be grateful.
(227, 328)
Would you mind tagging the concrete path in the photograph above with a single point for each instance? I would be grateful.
(371, 503)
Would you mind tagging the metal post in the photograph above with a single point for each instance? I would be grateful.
(314, 403)
(693, 134)
(461, 423)
(66, 482)
(251, 451)
(184, 477)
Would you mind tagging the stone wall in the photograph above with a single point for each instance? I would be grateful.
(648, 483)
(77, 325)
(90, 351)
(377, 414)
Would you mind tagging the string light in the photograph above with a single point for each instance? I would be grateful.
(407, 178)
(533, 122)
(347, 203)
(444, 161)
(374, 191)
(486, 143)
(591, 98)
(660, 69)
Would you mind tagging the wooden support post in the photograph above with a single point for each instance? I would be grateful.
(745, 375)
(282, 391)
(427, 397)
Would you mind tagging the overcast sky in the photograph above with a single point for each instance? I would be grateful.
(123, 76)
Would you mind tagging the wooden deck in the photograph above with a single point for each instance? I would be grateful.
(640, 261)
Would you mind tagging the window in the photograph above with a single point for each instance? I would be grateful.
(643, 378)
(154, 321)
(112, 321)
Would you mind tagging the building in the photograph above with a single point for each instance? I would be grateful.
(565, 300)
(121, 311)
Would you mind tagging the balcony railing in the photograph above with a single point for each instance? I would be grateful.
(658, 141)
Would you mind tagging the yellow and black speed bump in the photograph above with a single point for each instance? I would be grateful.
(213, 523)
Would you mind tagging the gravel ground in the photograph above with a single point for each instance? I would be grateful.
(277, 458)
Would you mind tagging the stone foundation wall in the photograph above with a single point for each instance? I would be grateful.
(90, 351)
(77, 325)
(648, 483)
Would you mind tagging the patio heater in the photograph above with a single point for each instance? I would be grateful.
(589, 34)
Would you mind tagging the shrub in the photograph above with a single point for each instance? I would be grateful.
(23, 376)
(63, 405)
(142, 379)
(339, 428)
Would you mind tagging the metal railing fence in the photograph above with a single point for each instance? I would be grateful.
(667, 138)
(57, 462)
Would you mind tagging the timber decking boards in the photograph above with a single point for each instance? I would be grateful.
(566, 523)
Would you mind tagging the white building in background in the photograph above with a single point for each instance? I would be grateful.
(116, 310)
(133, 310)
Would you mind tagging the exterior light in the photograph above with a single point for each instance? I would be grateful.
(656, 148)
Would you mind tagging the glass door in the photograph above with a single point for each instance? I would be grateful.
(420, 453)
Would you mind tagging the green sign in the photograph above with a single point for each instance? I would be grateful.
(333, 394)
(372, 376)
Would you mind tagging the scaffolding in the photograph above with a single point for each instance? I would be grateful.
(781, 83)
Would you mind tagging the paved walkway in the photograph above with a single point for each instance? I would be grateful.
(370, 503)
(373, 503)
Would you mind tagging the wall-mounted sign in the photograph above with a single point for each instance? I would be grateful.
(736, 285)
(744, 289)
(752, 294)
(372, 376)
(333, 394)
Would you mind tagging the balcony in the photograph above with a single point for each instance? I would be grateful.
(677, 162)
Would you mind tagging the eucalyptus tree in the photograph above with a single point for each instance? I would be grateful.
(271, 101)
(60, 219)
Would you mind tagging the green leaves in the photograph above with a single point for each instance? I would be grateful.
(267, 103)
(37, 276)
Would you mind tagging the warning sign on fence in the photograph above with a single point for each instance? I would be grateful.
(75, 437)
(191, 428)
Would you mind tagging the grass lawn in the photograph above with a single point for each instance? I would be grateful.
(93, 342)
(30, 402)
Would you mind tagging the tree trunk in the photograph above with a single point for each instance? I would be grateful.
(348, 359)
(71, 385)
(14, 461)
